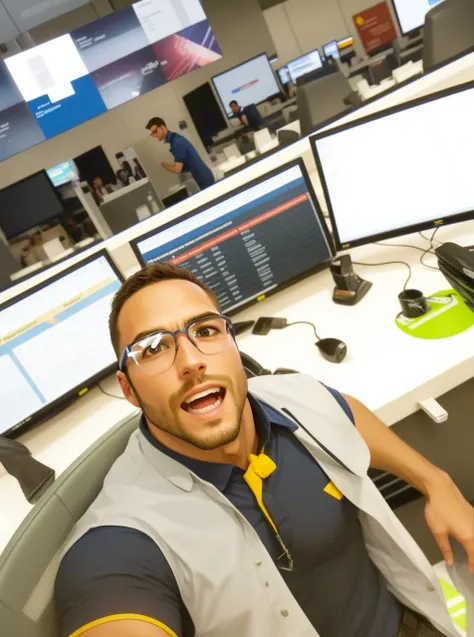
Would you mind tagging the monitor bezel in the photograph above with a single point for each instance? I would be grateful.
(76, 392)
(418, 227)
(236, 66)
(281, 286)
(55, 194)
(302, 56)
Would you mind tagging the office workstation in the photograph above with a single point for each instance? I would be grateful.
(272, 241)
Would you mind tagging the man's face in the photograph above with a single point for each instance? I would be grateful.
(158, 132)
(171, 305)
(235, 108)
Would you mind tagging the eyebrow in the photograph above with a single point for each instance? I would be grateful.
(154, 330)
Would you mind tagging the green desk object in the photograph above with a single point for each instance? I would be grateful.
(456, 604)
(449, 315)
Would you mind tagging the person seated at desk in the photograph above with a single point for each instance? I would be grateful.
(100, 190)
(249, 116)
(186, 157)
(223, 518)
(124, 178)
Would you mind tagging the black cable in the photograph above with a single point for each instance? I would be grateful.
(430, 250)
(389, 263)
(305, 323)
(111, 395)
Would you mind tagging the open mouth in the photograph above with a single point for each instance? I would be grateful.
(205, 401)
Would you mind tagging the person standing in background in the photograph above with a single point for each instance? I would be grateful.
(186, 157)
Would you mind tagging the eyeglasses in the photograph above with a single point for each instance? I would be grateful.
(156, 353)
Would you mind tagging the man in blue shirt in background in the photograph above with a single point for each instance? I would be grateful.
(186, 157)
(249, 116)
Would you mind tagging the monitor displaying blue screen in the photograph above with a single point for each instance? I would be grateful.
(331, 50)
(251, 242)
(55, 339)
(305, 64)
(110, 61)
(62, 173)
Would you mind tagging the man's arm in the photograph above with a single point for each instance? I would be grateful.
(447, 512)
(175, 168)
(244, 120)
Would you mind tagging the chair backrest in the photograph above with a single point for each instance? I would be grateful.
(29, 564)
(287, 137)
(321, 99)
(449, 31)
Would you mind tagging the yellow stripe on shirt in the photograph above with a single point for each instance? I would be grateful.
(124, 617)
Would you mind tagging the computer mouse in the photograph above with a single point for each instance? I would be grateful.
(332, 349)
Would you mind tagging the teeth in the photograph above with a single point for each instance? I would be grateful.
(204, 410)
(211, 390)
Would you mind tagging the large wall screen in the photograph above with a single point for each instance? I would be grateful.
(57, 85)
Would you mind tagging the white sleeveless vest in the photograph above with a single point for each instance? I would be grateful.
(227, 580)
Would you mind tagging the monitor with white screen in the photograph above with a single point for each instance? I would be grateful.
(411, 13)
(307, 63)
(62, 173)
(251, 82)
(376, 188)
(331, 50)
(284, 75)
(54, 341)
(249, 243)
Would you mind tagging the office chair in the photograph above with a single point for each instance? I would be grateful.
(29, 564)
(449, 31)
(287, 137)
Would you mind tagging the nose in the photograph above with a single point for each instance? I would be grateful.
(189, 360)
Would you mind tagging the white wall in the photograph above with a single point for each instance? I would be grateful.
(297, 26)
(241, 32)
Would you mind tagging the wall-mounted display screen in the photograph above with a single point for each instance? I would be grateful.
(28, 203)
(411, 13)
(54, 340)
(61, 83)
(251, 82)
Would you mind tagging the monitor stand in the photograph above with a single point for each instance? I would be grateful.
(350, 288)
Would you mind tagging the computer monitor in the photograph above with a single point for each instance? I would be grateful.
(63, 173)
(331, 50)
(284, 75)
(54, 341)
(28, 203)
(305, 64)
(376, 187)
(411, 13)
(249, 243)
(251, 82)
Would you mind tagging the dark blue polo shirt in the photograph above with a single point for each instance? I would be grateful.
(185, 153)
(113, 571)
(254, 118)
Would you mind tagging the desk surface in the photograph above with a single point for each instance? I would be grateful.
(386, 369)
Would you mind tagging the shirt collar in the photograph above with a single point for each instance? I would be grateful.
(169, 137)
(219, 474)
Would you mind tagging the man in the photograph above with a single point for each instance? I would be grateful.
(234, 513)
(249, 116)
(186, 157)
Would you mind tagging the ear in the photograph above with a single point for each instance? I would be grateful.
(127, 390)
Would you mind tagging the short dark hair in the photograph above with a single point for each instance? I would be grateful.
(156, 121)
(153, 273)
(233, 102)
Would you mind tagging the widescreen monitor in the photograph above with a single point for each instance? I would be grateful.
(54, 341)
(375, 189)
(305, 64)
(110, 61)
(331, 50)
(251, 82)
(63, 173)
(411, 13)
(28, 203)
(249, 243)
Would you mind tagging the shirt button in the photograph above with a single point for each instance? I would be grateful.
(285, 613)
(259, 563)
